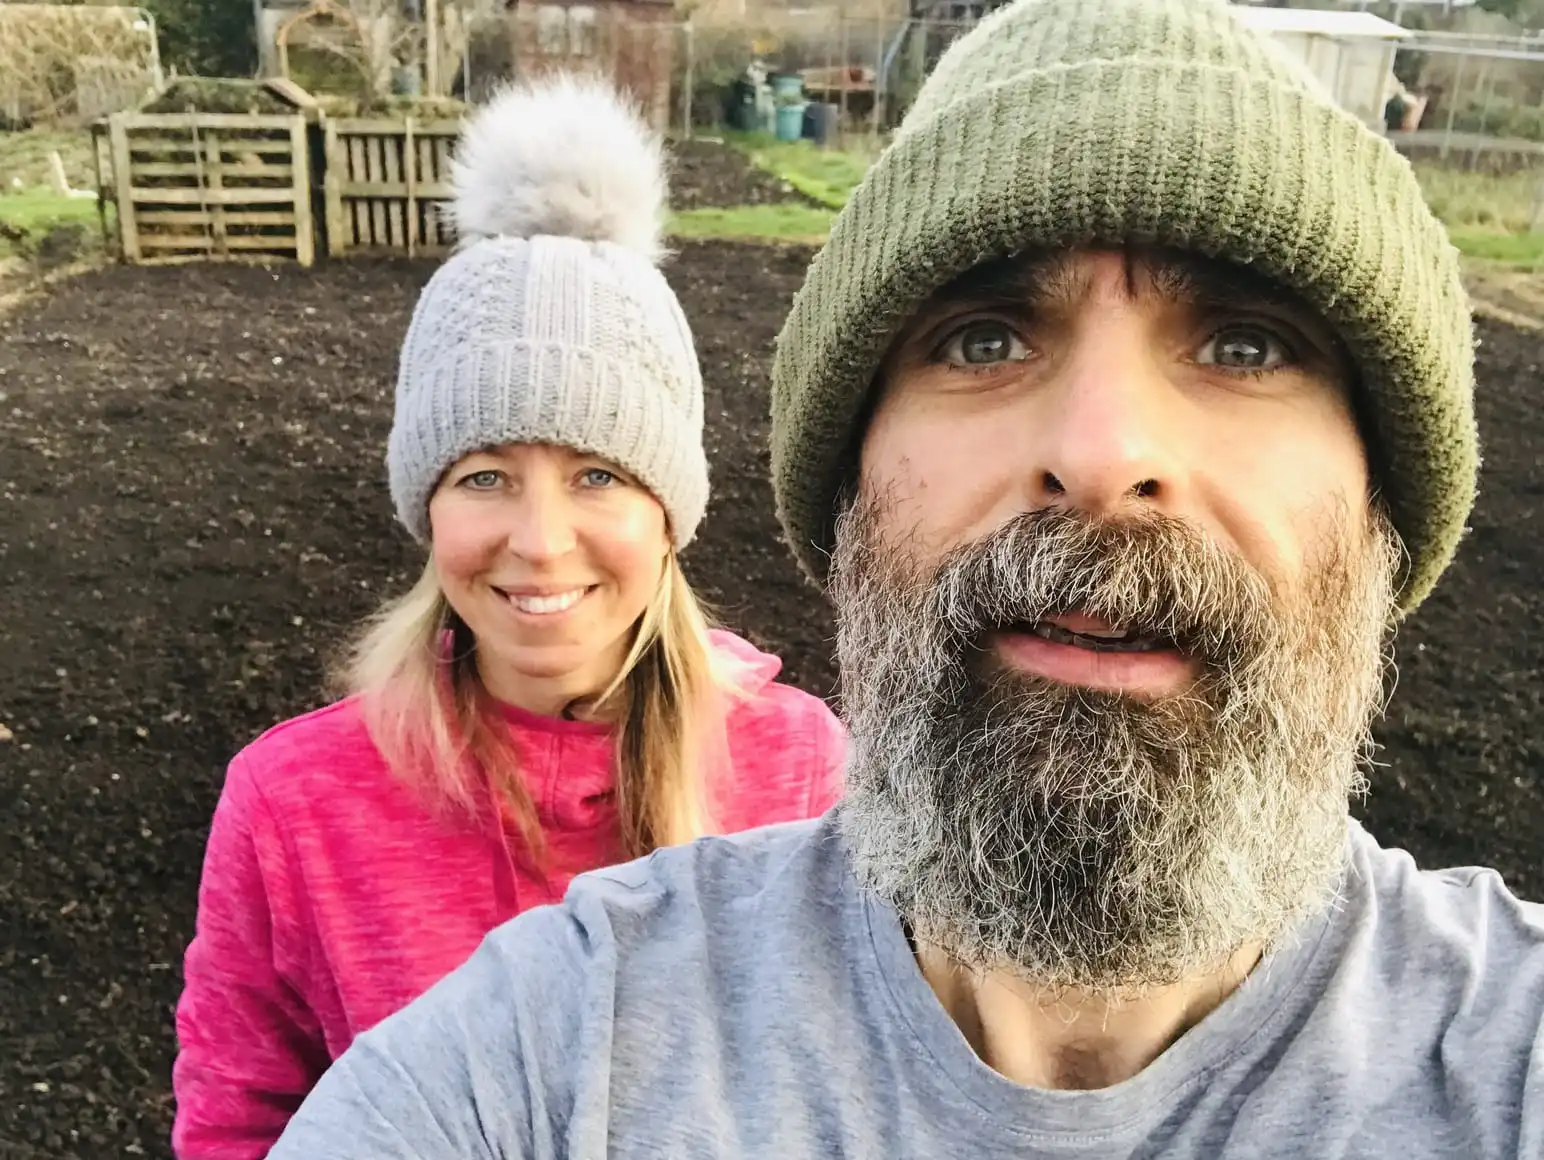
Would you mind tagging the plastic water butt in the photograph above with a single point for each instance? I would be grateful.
(787, 85)
(790, 122)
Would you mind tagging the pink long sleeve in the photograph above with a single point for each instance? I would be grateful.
(828, 762)
(250, 1047)
(331, 897)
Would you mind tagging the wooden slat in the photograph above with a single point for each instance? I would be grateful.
(228, 168)
(279, 242)
(425, 179)
(354, 126)
(133, 121)
(444, 150)
(172, 196)
(261, 242)
(234, 219)
(377, 173)
(334, 159)
(213, 183)
(102, 194)
(359, 211)
(428, 180)
(410, 179)
(305, 234)
(123, 179)
(391, 173)
(199, 241)
(234, 143)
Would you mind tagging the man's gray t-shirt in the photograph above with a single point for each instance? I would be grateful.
(743, 997)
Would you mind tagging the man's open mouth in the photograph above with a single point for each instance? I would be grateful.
(1129, 640)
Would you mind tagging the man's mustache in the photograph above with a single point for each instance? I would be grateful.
(1150, 574)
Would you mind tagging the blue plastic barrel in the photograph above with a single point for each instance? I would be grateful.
(787, 85)
(790, 122)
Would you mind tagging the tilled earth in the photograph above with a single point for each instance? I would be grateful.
(700, 178)
(194, 508)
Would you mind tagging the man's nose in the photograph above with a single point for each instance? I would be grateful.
(1110, 437)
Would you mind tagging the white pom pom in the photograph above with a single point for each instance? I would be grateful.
(565, 156)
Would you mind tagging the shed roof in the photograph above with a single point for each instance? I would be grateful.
(1322, 22)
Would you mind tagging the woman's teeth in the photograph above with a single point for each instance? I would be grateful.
(547, 605)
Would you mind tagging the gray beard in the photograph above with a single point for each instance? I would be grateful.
(1093, 841)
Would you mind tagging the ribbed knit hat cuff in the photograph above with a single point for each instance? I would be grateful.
(1195, 156)
(609, 409)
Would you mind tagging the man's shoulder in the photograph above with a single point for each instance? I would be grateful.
(774, 867)
(1458, 935)
(1466, 902)
(720, 889)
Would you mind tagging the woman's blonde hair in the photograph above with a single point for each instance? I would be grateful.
(414, 666)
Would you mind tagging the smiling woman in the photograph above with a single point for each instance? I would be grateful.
(548, 698)
(550, 556)
(552, 588)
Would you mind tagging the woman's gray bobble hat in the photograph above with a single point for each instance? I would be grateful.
(552, 323)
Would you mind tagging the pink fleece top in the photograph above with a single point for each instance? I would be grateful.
(331, 896)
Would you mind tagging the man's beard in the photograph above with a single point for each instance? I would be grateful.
(1094, 840)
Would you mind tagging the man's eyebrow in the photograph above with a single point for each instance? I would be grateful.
(1033, 283)
(1019, 284)
(1218, 286)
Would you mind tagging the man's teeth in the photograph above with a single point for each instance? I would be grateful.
(546, 605)
(1099, 642)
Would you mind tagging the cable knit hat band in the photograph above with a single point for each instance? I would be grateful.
(1065, 123)
(552, 323)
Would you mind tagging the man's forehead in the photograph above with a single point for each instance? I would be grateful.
(1066, 278)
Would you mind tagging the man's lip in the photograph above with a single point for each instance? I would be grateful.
(1157, 673)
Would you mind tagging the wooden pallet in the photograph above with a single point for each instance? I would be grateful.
(387, 185)
(217, 184)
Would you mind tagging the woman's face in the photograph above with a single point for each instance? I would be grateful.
(550, 556)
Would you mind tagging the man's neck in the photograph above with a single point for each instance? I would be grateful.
(1072, 1040)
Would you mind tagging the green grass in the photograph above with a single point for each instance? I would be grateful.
(824, 175)
(785, 222)
(1487, 217)
(1519, 251)
(41, 211)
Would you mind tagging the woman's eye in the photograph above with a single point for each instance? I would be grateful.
(1244, 348)
(599, 477)
(983, 344)
(481, 480)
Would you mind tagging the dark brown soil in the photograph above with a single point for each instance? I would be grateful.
(704, 174)
(194, 506)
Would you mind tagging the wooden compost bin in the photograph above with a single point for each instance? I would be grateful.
(211, 185)
(387, 183)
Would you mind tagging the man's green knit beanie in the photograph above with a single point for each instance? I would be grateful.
(1062, 123)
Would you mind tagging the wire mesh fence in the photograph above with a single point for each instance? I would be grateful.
(1469, 112)
(855, 74)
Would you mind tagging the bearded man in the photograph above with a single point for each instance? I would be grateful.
(1126, 411)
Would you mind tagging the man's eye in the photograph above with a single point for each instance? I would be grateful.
(982, 344)
(1244, 348)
